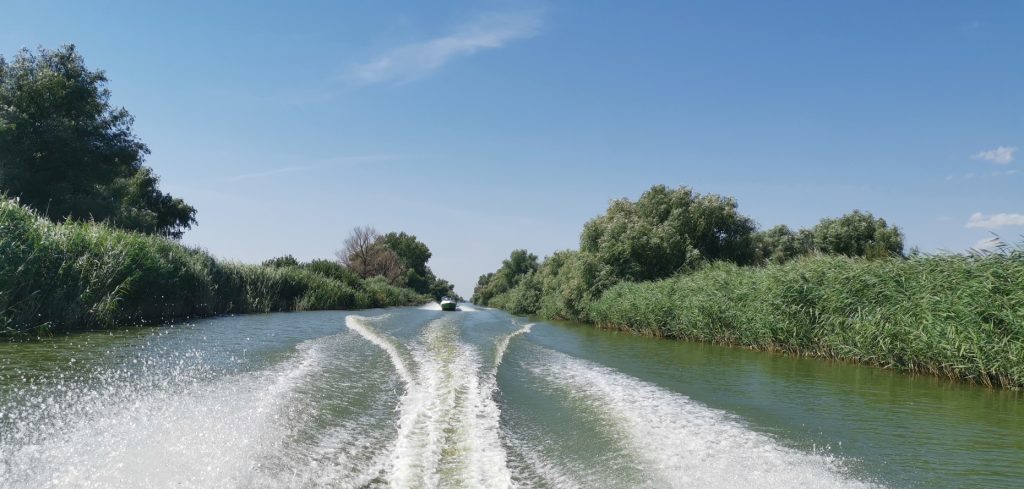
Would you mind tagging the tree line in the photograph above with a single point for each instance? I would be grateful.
(667, 232)
(397, 258)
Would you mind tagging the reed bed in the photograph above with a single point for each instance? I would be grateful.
(960, 316)
(71, 276)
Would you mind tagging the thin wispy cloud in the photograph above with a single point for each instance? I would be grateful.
(994, 221)
(1001, 156)
(417, 60)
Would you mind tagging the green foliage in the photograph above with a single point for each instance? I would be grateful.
(442, 288)
(66, 152)
(334, 270)
(413, 253)
(512, 270)
(953, 315)
(418, 276)
(780, 244)
(667, 231)
(399, 257)
(281, 261)
(858, 234)
(563, 287)
(571, 281)
(81, 276)
(839, 290)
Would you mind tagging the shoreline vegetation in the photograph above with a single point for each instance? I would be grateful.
(88, 239)
(78, 276)
(842, 290)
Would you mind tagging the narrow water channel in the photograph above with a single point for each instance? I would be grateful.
(417, 397)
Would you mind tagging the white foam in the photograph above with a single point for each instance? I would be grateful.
(448, 425)
(126, 432)
(683, 443)
(502, 345)
(358, 324)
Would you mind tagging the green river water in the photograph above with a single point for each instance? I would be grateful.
(417, 397)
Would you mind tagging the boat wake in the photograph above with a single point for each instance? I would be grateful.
(448, 426)
(681, 443)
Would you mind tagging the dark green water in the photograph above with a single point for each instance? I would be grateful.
(416, 397)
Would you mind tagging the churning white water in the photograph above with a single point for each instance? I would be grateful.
(128, 429)
(448, 426)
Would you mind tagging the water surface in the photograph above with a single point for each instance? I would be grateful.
(416, 397)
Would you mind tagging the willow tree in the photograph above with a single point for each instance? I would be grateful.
(667, 231)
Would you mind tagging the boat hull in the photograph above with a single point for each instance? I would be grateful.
(447, 306)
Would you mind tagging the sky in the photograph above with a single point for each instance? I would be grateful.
(483, 127)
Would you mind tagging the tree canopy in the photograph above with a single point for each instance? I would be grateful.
(398, 257)
(858, 234)
(519, 264)
(666, 231)
(68, 153)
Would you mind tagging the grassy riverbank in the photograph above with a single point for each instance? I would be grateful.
(678, 264)
(82, 276)
(956, 316)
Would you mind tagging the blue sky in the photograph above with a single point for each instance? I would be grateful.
(488, 126)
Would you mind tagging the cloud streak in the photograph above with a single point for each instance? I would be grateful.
(1001, 156)
(995, 221)
(417, 60)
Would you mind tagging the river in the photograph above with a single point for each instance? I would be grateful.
(417, 397)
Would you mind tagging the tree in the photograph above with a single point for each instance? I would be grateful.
(519, 264)
(781, 244)
(414, 255)
(281, 262)
(65, 151)
(365, 254)
(357, 245)
(441, 288)
(667, 231)
(858, 234)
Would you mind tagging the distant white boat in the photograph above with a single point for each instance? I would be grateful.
(447, 304)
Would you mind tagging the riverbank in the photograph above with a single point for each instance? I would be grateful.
(67, 277)
(957, 316)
